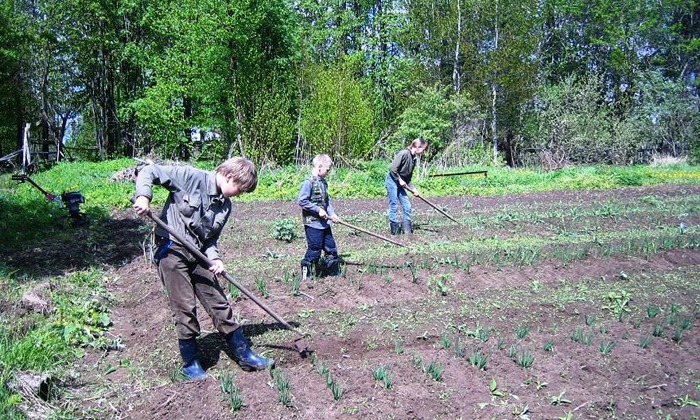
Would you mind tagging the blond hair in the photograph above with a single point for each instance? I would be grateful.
(322, 160)
(242, 172)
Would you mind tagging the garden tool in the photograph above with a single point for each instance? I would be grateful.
(298, 343)
(485, 173)
(432, 205)
(376, 235)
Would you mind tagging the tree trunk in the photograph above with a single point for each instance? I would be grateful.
(456, 82)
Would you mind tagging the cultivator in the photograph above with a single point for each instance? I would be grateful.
(70, 200)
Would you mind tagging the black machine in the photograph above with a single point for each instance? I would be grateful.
(69, 199)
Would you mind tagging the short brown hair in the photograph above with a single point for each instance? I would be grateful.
(242, 172)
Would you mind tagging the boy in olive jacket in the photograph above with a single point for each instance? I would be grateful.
(197, 208)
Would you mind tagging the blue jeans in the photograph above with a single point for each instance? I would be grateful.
(397, 194)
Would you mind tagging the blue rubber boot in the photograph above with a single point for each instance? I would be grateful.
(191, 367)
(244, 356)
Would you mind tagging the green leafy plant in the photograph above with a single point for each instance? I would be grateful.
(652, 311)
(233, 392)
(644, 341)
(577, 335)
(524, 358)
(282, 386)
(440, 285)
(434, 370)
(261, 285)
(548, 345)
(285, 230)
(522, 331)
(559, 399)
(494, 390)
(445, 340)
(606, 346)
(381, 374)
(617, 303)
(478, 359)
(337, 391)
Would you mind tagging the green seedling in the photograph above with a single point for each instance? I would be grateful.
(337, 391)
(494, 390)
(559, 399)
(686, 401)
(652, 311)
(398, 347)
(458, 348)
(525, 359)
(283, 389)
(445, 340)
(658, 330)
(379, 373)
(686, 323)
(261, 285)
(513, 352)
(577, 335)
(285, 230)
(644, 341)
(540, 384)
(590, 320)
(522, 331)
(548, 345)
(434, 370)
(677, 335)
(521, 410)
(501, 344)
(617, 303)
(606, 346)
(479, 359)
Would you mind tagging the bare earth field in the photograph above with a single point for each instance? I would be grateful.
(576, 304)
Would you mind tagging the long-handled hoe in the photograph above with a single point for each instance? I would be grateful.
(376, 235)
(426, 201)
(299, 343)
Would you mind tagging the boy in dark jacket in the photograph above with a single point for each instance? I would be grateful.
(316, 212)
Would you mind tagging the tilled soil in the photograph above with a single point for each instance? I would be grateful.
(436, 305)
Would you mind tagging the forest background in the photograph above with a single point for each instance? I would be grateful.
(522, 82)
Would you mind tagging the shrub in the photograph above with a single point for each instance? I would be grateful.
(285, 230)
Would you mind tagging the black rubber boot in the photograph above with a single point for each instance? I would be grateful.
(407, 227)
(244, 355)
(332, 265)
(395, 228)
(191, 367)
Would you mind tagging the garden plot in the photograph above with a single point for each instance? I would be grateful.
(578, 304)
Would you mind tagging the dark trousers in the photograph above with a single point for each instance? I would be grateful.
(185, 280)
(318, 240)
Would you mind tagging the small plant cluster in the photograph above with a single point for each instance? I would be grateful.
(522, 358)
(331, 383)
(381, 374)
(441, 285)
(281, 383)
(232, 390)
(434, 369)
(285, 230)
